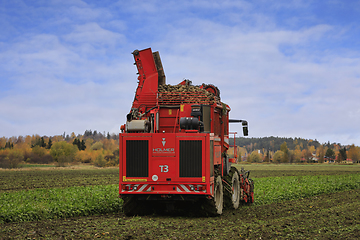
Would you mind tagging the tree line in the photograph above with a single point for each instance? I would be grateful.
(274, 143)
(293, 150)
(91, 147)
(102, 149)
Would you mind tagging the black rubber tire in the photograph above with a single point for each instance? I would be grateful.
(235, 184)
(232, 189)
(214, 207)
(218, 196)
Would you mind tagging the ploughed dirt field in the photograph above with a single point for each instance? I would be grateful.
(326, 216)
(333, 216)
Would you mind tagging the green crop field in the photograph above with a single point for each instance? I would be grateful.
(291, 201)
(25, 179)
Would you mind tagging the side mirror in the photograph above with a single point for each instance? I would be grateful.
(245, 128)
(244, 124)
(245, 131)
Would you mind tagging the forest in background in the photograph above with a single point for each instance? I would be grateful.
(101, 149)
(92, 147)
(292, 150)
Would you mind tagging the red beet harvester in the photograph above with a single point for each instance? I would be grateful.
(173, 147)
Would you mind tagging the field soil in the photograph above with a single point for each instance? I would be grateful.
(327, 216)
(330, 216)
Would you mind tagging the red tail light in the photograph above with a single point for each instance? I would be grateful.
(127, 187)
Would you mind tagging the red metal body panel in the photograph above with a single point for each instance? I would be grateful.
(148, 79)
(169, 118)
(163, 172)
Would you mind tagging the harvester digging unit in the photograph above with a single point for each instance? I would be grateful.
(173, 147)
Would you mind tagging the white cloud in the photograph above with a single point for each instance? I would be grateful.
(280, 95)
(287, 79)
(92, 33)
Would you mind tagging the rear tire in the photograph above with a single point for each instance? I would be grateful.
(235, 183)
(214, 206)
(232, 190)
(218, 196)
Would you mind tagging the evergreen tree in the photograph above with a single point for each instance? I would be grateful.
(39, 142)
(9, 145)
(49, 144)
(42, 142)
(330, 153)
(343, 154)
(82, 145)
(75, 142)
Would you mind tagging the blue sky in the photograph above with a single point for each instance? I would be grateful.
(289, 67)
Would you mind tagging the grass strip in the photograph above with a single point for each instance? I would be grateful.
(38, 204)
(276, 189)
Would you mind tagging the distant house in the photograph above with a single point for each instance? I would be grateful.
(328, 160)
(312, 159)
(349, 161)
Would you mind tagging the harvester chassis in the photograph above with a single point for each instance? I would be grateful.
(229, 193)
